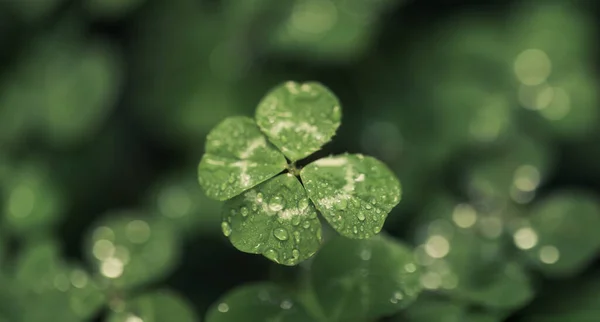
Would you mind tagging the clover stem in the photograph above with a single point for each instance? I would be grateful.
(293, 169)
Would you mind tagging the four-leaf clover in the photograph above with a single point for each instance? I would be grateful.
(271, 205)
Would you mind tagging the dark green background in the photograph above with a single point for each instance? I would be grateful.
(401, 73)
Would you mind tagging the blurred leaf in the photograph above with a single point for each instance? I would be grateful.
(358, 280)
(178, 198)
(552, 46)
(353, 192)
(48, 282)
(328, 30)
(33, 202)
(431, 308)
(237, 158)
(463, 256)
(157, 306)
(274, 219)
(560, 235)
(299, 118)
(80, 89)
(257, 302)
(130, 250)
(62, 88)
(514, 172)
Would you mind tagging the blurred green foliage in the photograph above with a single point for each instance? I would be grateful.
(486, 111)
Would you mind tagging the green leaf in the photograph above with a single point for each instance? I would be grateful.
(358, 280)
(299, 118)
(334, 31)
(83, 80)
(258, 302)
(275, 219)
(129, 250)
(440, 309)
(429, 308)
(158, 306)
(463, 257)
(49, 282)
(237, 158)
(33, 203)
(353, 192)
(561, 236)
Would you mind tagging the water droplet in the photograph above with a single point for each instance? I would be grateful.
(295, 253)
(360, 216)
(355, 230)
(306, 224)
(223, 307)
(272, 255)
(226, 228)
(254, 207)
(286, 304)
(297, 237)
(342, 204)
(296, 220)
(302, 204)
(244, 211)
(223, 186)
(373, 201)
(368, 206)
(259, 197)
(231, 179)
(280, 234)
(376, 230)
(276, 203)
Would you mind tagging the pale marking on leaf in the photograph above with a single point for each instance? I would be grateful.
(331, 162)
(292, 87)
(360, 178)
(349, 177)
(215, 162)
(259, 142)
(348, 189)
(305, 127)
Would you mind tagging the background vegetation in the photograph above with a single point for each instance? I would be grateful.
(486, 110)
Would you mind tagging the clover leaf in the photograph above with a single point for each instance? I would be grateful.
(157, 306)
(129, 250)
(361, 280)
(237, 158)
(276, 216)
(560, 237)
(353, 192)
(62, 291)
(299, 118)
(275, 219)
(257, 302)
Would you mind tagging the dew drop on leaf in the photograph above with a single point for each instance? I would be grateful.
(272, 255)
(302, 204)
(276, 203)
(280, 234)
(226, 228)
